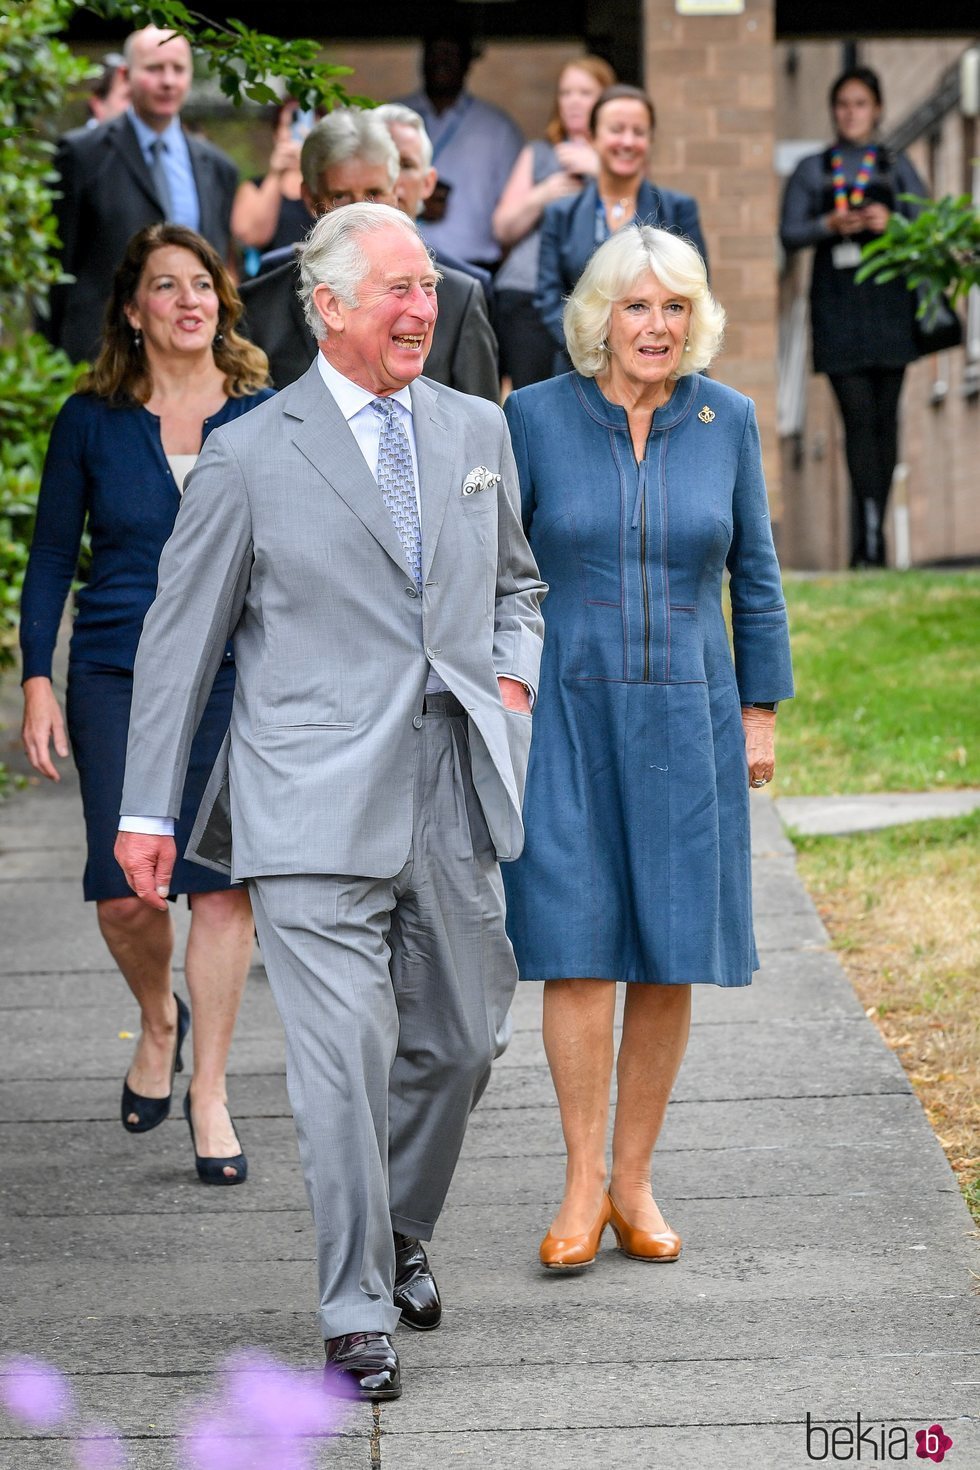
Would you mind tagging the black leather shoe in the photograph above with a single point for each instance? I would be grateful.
(416, 1294)
(366, 1363)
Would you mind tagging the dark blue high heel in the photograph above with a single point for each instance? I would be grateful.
(151, 1111)
(211, 1170)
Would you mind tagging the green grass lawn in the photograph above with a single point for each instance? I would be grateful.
(902, 909)
(887, 669)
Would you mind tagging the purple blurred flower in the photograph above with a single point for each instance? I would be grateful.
(276, 1399)
(99, 1448)
(34, 1392)
(267, 1414)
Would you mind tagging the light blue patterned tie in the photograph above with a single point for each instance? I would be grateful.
(396, 481)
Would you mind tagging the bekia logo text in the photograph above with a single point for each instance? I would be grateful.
(874, 1443)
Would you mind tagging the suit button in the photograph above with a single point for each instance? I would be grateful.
(431, 652)
(411, 592)
(417, 722)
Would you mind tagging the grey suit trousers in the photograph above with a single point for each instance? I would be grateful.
(394, 994)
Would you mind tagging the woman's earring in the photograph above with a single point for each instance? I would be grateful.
(137, 338)
(217, 339)
(687, 345)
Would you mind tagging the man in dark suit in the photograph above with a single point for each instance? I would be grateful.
(128, 173)
(349, 158)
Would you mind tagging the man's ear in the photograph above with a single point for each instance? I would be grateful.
(429, 183)
(332, 311)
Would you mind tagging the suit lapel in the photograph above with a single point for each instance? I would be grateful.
(650, 206)
(122, 137)
(324, 438)
(435, 444)
(208, 192)
(580, 242)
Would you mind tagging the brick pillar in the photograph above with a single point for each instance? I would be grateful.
(712, 80)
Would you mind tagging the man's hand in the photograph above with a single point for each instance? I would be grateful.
(514, 696)
(148, 863)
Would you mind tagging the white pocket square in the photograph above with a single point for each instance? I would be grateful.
(478, 479)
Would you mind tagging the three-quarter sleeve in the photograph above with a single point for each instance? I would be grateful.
(61, 508)
(908, 181)
(518, 439)
(801, 222)
(549, 297)
(760, 629)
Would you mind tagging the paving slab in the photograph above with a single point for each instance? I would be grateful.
(831, 816)
(826, 1268)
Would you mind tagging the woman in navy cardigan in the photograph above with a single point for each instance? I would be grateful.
(641, 481)
(172, 368)
(621, 129)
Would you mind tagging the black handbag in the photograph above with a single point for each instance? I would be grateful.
(938, 328)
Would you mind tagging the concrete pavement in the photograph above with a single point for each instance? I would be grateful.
(829, 816)
(826, 1268)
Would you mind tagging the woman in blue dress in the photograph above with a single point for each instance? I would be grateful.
(641, 482)
(171, 369)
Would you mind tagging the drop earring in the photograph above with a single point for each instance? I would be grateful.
(137, 338)
(687, 345)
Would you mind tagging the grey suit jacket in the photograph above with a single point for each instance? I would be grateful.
(463, 354)
(283, 542)
(107, 194)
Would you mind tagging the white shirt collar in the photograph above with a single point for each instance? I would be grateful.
(350, 397)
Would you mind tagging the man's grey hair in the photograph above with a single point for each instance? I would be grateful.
(346, 133)
(397, 112)
(333, 255)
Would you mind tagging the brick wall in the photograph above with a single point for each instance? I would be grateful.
(711, 78)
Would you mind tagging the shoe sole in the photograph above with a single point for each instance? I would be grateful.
(651, 1260)
(569, 1265)
(420, 1326)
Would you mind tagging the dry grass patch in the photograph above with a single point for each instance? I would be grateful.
(903, 910)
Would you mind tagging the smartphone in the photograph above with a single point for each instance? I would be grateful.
(302, 121)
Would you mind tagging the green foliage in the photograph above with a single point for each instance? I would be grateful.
(34, 382)
(245, 61)
(939, 250)
(35, 72)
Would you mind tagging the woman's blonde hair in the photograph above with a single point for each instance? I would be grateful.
(597, 68)
(121, 372)
(613, 273)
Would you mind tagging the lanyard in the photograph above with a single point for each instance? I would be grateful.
(843, 200)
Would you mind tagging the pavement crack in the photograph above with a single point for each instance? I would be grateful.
(375, 1437)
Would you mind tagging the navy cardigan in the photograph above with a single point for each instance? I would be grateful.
(568, 239)
(106, 463)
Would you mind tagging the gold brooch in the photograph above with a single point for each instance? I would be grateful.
(706, 415)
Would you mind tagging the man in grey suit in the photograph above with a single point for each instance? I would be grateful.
(138, 168)
(349, 158)
(359, 537)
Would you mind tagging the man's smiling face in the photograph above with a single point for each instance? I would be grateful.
(382, 342)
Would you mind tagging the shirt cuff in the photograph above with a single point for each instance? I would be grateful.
(149, 826)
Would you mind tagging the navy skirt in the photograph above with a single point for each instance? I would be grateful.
(98, 703)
